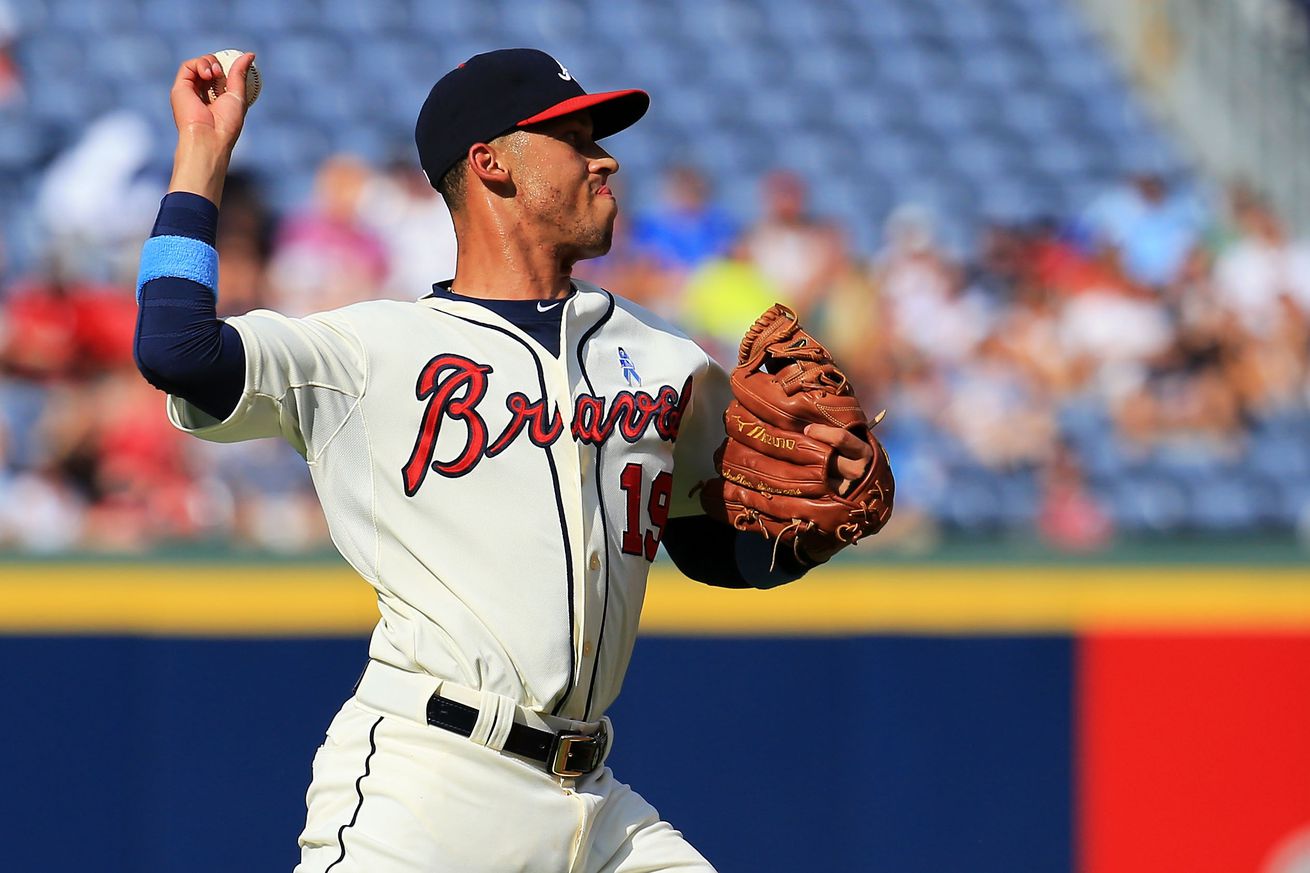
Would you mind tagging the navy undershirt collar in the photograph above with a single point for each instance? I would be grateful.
(543, 325)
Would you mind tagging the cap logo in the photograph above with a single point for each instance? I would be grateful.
(564, 73)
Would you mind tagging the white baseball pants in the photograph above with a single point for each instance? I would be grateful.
(393, 795)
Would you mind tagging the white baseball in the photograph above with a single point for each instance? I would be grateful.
(225, 59)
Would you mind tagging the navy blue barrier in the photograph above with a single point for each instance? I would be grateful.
(896, 754)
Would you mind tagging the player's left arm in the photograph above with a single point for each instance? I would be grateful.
(714, 552)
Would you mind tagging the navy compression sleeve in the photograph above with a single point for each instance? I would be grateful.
(180, 346)
(718, 554)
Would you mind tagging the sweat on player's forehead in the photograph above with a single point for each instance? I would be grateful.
(515, 140)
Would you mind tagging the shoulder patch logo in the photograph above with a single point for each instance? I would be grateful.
(630, 374)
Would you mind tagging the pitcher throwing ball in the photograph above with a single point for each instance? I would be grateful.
(500, 460)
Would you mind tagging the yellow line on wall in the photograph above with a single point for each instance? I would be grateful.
(995, 600)
(298, 600)
(184, 600)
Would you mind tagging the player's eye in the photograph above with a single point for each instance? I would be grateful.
(577, 138)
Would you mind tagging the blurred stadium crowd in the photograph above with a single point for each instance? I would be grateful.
(1114, 349)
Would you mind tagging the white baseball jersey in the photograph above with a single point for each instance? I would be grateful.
(505, 503)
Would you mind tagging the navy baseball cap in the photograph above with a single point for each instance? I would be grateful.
(494, 93)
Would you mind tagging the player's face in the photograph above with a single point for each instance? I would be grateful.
(561, 180)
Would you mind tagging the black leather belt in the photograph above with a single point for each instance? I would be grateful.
(562, 754)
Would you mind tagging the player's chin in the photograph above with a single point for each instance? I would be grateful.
(597, 239)
(594, 246)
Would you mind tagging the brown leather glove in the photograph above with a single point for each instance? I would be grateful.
(775, 479)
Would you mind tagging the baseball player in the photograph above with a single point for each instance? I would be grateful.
(499, 459)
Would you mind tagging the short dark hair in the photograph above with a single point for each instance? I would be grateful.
(453, 185)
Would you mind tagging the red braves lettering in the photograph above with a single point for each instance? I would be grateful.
(622, 409)
(588, 415)
(453, 386)
(438, 383)
(671, 408)
(632, 413)
(543, 429)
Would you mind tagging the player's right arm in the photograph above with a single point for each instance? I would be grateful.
(247, 377)
(180, 346)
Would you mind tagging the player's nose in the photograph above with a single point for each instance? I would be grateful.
(604, 164)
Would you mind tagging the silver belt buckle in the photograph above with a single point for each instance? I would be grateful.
(564, 749)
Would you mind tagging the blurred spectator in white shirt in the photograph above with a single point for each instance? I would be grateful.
(1261, 268)
(929, 309)
(414, 224)
(95, 203)
(1002, 415)
(798, 252)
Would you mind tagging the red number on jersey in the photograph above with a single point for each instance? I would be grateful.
(631, 482)
(657, 508)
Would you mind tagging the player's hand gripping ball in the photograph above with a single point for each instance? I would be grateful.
(772, 477)
(225, 59)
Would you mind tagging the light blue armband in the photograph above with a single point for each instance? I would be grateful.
(179, 256)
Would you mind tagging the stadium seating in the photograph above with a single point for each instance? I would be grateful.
(994, 110)
(989, 94)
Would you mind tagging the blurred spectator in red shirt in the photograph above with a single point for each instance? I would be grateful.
(142, 488)
(55, 325)
(1108, 326)
(1070, 518)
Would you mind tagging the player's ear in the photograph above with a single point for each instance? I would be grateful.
(489, 164)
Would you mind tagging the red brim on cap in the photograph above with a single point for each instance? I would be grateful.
(611, 111)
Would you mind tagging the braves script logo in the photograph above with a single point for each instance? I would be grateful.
(454, 385)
